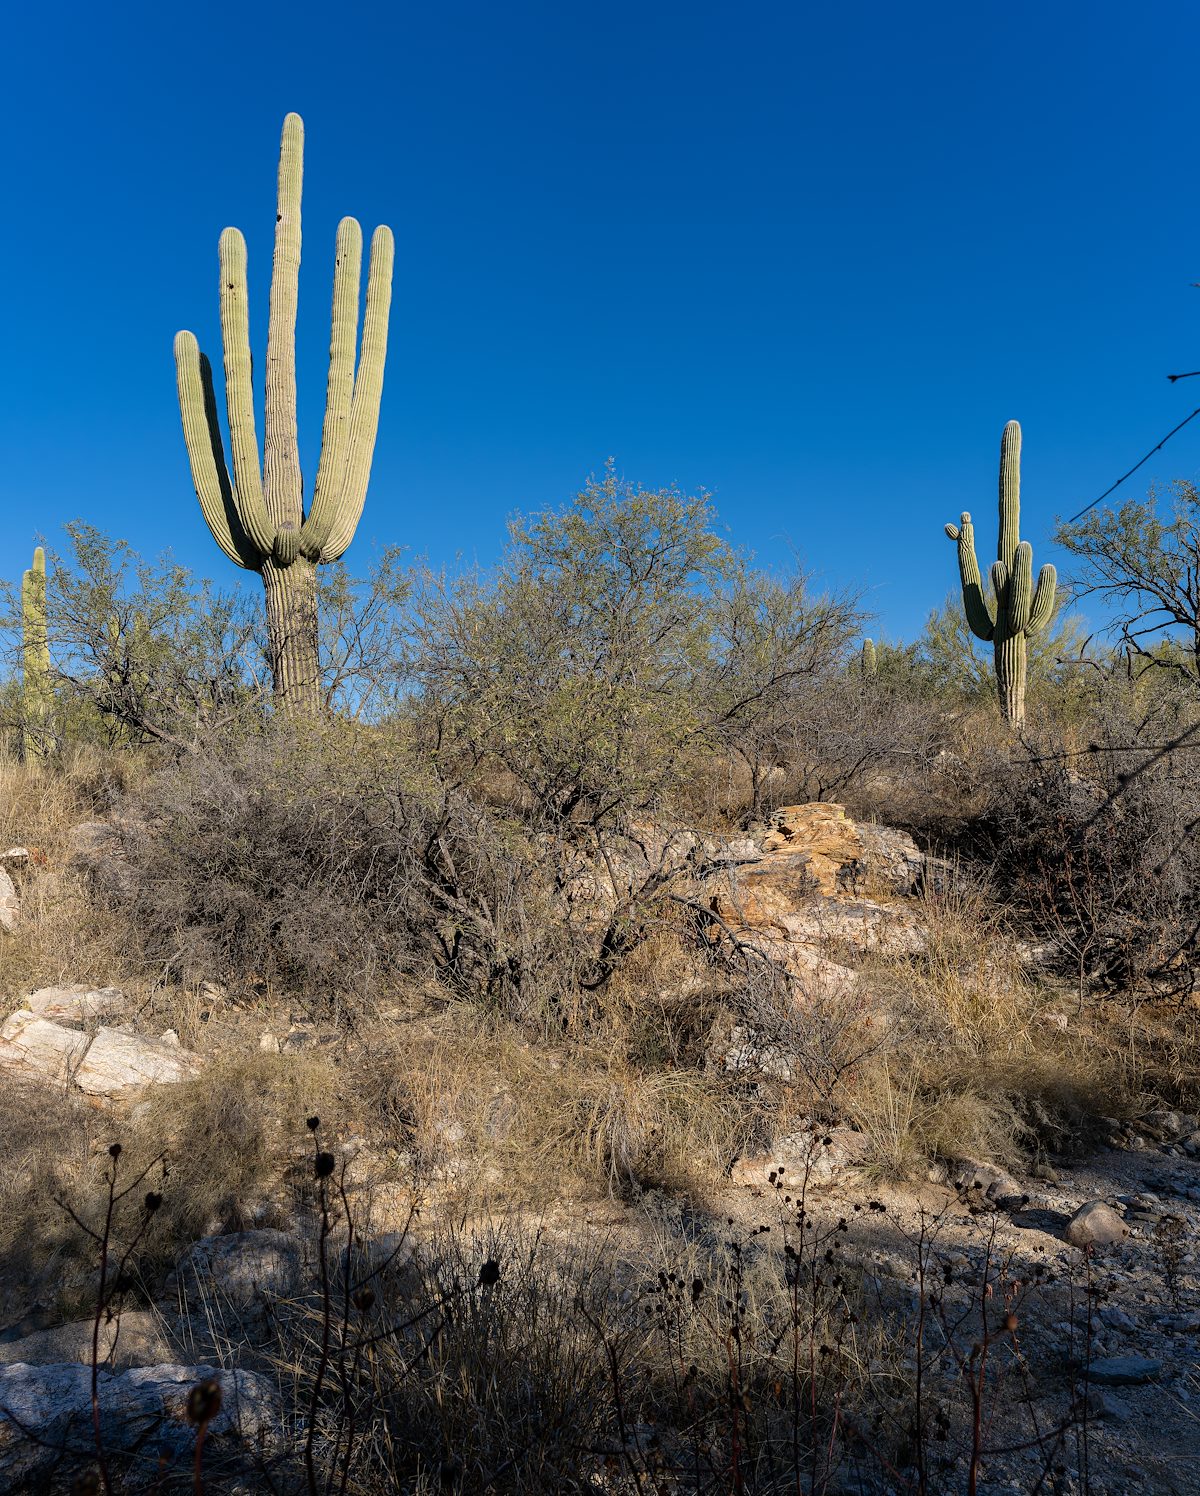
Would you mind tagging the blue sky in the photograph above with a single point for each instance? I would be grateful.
(811, 258)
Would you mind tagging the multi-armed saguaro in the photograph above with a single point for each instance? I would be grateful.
(1019, 610)
(258, 520)
(35, 658)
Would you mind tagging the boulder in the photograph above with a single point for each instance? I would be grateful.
(860, 923)
(986, 1182)
(130, 1339)
(822, 839)
(810, 1156)
(1123, 1371)
(802, 891)
(1094, 1225)
(247, 1269)
(46, 1411)
(113, 1063)
(77, 1003)
(33, 1046)
(117, 1062)
(892, 861)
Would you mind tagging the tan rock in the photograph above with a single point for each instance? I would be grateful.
(36, 1047)
(77, 1003)
(1094, 1225)
(822, 834)
(117, 1062)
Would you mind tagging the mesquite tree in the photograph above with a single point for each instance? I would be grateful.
(258, 519)
(1019, 611)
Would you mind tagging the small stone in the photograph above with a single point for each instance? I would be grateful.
(1094, 1225)
(1105, 1408)
(1124, 1371)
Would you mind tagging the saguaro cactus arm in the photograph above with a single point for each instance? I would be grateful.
(1044, 601)
(206, 453)
(35, 656)
(975, 605)
(368, 392)
(339, 390)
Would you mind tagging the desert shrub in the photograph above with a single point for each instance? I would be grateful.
(1098, 850)
(321, 862)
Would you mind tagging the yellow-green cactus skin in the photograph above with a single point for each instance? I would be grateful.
(36, 691)
(257, 514)
(1020, 611)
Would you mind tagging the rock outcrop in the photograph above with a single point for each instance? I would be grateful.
(47, 1041)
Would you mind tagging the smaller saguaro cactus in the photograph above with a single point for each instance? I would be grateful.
(1019, 610)
(35, 658)
(870, 661)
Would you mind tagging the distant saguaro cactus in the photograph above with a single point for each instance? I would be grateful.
(869, 661)
(1019, 611)
(35, 658)
(258, 520)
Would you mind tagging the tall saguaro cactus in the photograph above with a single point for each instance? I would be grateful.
(1019, 612)
(258, 518)
(35, 658)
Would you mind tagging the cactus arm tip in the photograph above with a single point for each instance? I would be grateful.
(1045, 600)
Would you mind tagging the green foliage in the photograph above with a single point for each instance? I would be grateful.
(142, 651)
(620, 640)
(573, 670)
(1145, 564)
(777, 653)
(947, 661)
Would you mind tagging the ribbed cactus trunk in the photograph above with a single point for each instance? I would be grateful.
(35, 659)
(258, 518)
(291, 595)
(1019, 611)
(1012, 671)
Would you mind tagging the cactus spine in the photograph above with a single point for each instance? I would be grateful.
(35, 658)
(258, 518)
(1019, 611)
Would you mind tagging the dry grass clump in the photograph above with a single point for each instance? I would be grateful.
(51, 1142)
(536, 1122)
(233, 1141)
(977, 1064)
(61, 936)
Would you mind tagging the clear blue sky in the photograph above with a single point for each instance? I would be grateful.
(809, 257)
